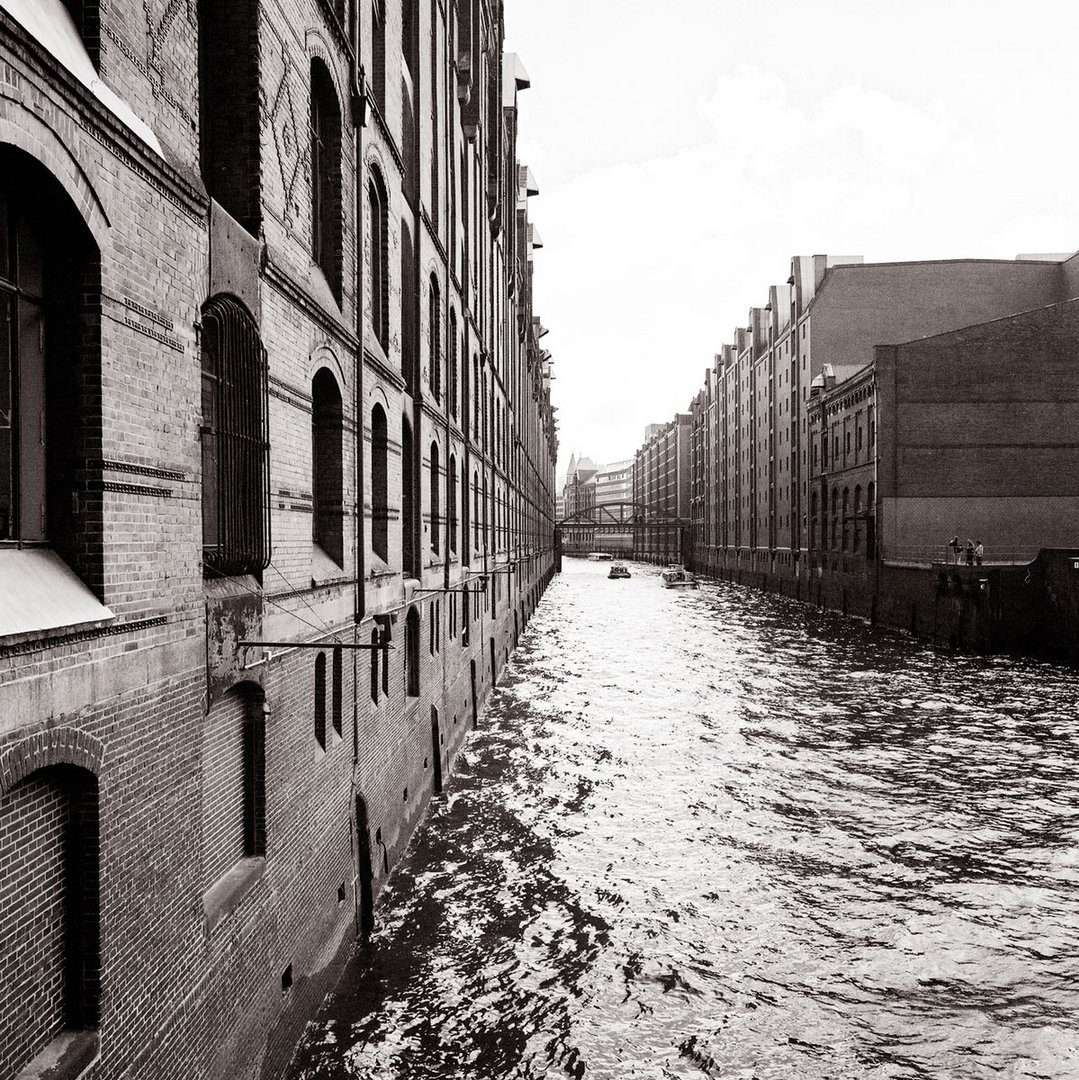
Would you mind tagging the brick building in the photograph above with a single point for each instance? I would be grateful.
(795, 486)
(752, 473)
(662, 487)
(272, 388)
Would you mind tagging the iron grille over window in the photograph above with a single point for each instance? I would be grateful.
(235, 446)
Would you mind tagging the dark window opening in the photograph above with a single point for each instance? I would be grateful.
(320, 699)
(378, 55)
(327, 481)
(374, 666)
(326, 239)
(338, 690)
(86, 15)
(409, 312)
(409, 549)
(49, 361)
(229, 134)
(380, 510)
(377, 233)
(452, 374)
(412, 653)
(434, 322)
(451, 508)
(235, 445)
(436, 486)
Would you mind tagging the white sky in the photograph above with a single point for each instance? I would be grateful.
(686, 149)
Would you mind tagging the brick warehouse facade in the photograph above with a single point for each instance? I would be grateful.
(832, 469)
(271, 375)
(661, 482)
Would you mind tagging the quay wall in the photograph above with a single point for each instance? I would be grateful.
(1030, 609)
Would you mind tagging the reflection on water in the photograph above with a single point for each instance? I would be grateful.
(717, 834)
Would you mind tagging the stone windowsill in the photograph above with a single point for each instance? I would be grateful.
(225, 895)
(67, 1057)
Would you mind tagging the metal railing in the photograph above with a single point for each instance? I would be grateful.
(932, 554)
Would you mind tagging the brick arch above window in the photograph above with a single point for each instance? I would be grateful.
(27, 132)
(323, 356)
(54, 746)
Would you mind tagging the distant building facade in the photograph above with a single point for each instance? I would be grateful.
(614, 496)
(662, 488)
(823, 456)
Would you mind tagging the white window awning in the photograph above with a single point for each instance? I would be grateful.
(39, 591)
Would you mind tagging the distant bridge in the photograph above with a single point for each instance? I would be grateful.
(651, 533)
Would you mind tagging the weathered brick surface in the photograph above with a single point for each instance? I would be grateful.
(196, 931)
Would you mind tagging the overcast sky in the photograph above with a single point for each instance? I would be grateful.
(685, 150)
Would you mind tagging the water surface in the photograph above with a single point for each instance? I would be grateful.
(718, 834)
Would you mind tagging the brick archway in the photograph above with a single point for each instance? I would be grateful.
(54, 746)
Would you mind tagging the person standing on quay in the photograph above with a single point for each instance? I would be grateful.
(970, 552)
(979, 552)
(956, 548)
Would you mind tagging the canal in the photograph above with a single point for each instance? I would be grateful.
(717, 834)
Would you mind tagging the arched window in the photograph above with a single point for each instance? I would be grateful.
(377, 234)
(378, 55)
(326, 177)
(229, 133)
(327, 476)
(844, 523)
(49, 358)
(452, 373)
(813, 520)
(434, 330)
(410, 315)
(320, 699)
(475, 396)
(835, 518)
(857, 516)
(338, 690)
(436, 488)
(374, 666)
(380, 510)
(412, 653)
(451, 505)
(409, 551)
(475, 513)
(49, 933)
(235, 442)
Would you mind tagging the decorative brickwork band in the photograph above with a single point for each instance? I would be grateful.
(55, 746)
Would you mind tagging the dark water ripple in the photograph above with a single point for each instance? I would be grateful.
(715, 834)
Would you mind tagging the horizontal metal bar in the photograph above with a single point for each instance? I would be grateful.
(310, 645)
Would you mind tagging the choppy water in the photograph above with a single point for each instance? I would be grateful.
(715, 834)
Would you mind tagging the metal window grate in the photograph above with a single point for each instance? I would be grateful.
(236, 449)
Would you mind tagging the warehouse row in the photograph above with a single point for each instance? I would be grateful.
(865, 415)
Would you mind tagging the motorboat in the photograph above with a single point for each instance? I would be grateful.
(600, 556)
(678, 577)
(618, 570)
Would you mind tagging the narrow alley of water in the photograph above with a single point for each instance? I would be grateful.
(718, 834)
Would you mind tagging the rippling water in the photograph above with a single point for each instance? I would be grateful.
(716, 834)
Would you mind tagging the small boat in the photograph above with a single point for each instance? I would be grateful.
(600, 556)
(677, 577)
(618, 570)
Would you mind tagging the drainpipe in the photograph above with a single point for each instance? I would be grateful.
(358, 93)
